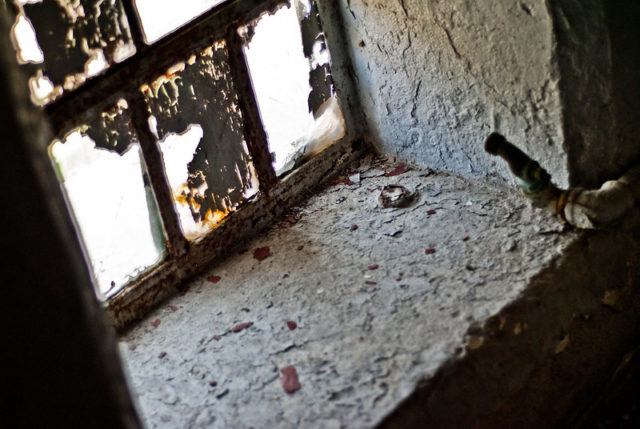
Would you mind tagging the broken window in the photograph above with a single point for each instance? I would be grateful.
(289, 64)
(107, 187)
(195, 114)
(171, 116)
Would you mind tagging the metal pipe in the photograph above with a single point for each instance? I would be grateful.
(583, 208)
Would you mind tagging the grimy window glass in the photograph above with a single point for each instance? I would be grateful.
(162, 134)
(63, 43)
(219, 175)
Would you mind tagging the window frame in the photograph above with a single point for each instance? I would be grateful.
(123, 80)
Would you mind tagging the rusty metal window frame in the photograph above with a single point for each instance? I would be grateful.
(124, 80)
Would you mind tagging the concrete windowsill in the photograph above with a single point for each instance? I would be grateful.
(377, 315)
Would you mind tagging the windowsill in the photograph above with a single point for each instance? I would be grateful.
(367, 338)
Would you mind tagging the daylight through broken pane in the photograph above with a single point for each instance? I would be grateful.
(195, 116)
(161, 17)
(291, 79)
(102, 173)
(64, 43)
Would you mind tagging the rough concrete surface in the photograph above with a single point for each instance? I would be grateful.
(433, 76)
(382, 299)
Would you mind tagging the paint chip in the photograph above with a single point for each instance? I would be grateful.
(261, 253)
(344, 181)
(213, 279)
(430, 251)
(156, 323)
(354, 227)
(373, 267)
(370, 282)
(162, 355)
(400, 169)
(431, 212)
(292, 325)
(213, 383)
(173, 308)
(241, 326)
(289, 379)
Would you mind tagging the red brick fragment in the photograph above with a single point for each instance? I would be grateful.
(241, 326)
(373, 267)
(289, 379)
(214, 279)
(431, 212)
(213, 383)
(370, 282)
(156, 323)
(292, 325)
(173, 308)
(354, 227)
(261, 253)
(400, 169)
(162, 354)
(430, 251)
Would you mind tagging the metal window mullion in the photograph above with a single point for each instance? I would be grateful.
(253, 127)
(177, 244)
(135, 26)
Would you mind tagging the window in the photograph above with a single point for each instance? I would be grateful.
(170, 119)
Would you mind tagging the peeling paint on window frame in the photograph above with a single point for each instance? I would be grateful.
(185, 259)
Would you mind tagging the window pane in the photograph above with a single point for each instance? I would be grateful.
(292, 83)
(102, 173)
(63, 43)
(161, 17)
(195, 115)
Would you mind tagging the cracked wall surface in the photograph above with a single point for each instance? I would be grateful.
(435, 78)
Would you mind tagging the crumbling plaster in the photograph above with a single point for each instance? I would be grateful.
(435, 77)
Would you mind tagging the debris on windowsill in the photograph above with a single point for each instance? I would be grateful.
(396, 196)
(289, 379)
(261, 253)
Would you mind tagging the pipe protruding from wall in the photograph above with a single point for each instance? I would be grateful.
(582, 208)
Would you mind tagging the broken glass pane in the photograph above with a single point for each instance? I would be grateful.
(161, 17)
(195, 116)
(108, 191)
(289, 65)
(65, 42)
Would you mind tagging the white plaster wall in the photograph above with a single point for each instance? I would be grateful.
(436, 77)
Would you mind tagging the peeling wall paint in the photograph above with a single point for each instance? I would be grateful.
(435, 78)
